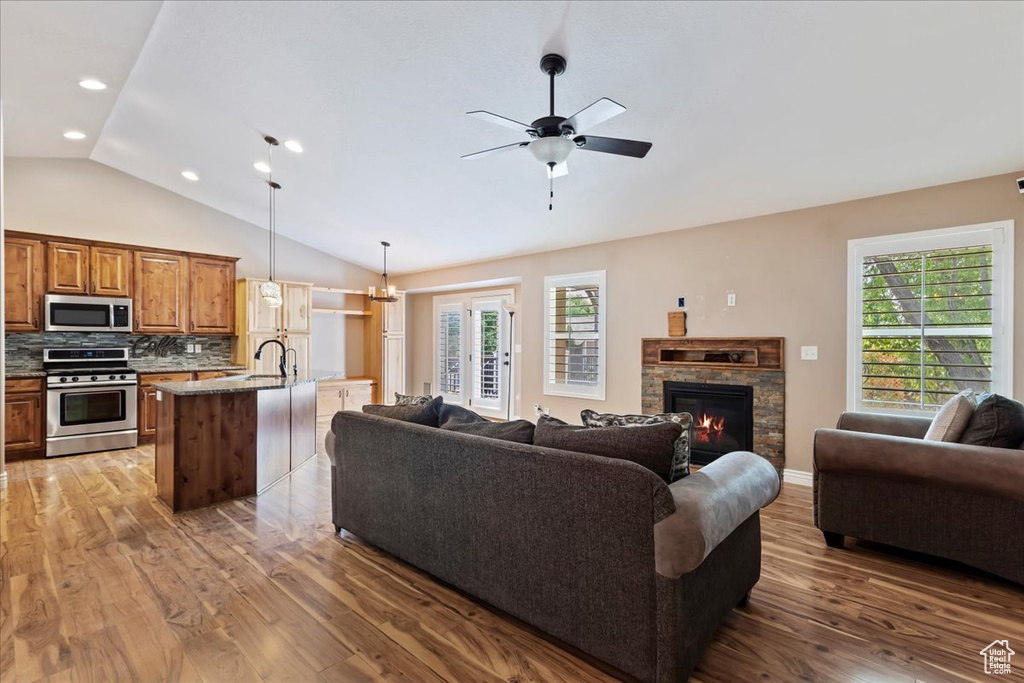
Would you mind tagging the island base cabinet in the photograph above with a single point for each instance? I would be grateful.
(273, 436)
(303, 425)
(205, 448)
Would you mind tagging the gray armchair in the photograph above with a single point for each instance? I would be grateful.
(876, 479)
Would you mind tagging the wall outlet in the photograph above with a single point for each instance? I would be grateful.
(730, 299)
(808, 353)
(199, 348)
(190, 348)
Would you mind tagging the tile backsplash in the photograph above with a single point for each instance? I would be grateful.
(24, 351)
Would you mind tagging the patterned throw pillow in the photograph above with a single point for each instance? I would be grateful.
(410, 400)
(953, 417)
(681, 459)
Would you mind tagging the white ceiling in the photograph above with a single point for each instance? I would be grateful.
(753, 108)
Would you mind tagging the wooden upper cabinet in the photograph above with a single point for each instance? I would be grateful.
(212, 303)
(110, 271)
(23, 285)
(67, 268)
(161, 289)
(297, 308)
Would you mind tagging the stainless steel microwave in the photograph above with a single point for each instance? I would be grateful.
(69, 313)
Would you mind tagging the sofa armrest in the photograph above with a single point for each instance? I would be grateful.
(910, 426)
(977, 469)
(710, 504)
(329, 442)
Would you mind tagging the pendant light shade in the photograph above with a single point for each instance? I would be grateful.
(384, 292)
(271, 290)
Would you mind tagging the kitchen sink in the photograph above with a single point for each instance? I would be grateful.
(245, 378)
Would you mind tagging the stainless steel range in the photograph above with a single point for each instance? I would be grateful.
(91, 401)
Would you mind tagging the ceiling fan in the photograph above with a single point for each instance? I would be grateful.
(553, 138)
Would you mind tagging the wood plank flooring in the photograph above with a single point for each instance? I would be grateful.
(101, 583)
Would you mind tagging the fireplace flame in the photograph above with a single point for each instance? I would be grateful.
(709, 428)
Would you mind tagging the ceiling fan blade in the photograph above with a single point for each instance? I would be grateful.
(477, 155)
(627, 148)
(499, 120)
(559, 170)
(598, 112)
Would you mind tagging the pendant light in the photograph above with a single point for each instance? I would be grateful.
(271, 290)
(384, 292)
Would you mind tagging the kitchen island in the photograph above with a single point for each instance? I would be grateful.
(227, 438)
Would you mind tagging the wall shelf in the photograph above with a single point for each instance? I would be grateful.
(341, 311)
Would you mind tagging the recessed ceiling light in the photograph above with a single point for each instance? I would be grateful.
(74, 135)
(189, 175)
(262, 167)
(92, 84)
(293, 145)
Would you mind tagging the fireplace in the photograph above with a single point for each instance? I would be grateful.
(723, 417)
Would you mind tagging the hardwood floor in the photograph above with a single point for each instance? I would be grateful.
(101, 583)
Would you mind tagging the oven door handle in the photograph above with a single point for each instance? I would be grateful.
(82, 388)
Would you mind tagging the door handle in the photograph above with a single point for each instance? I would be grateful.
(193, 325)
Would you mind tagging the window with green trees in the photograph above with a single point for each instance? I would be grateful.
(931, 321)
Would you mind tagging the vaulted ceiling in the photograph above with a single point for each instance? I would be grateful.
(753, 108)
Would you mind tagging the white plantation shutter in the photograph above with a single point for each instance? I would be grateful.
(449, 351)
(489, 349)
(574, 335)
(931, 318)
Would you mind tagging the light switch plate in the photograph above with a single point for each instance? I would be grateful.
(730, 299)
(190, 348)
(199, 348)
(808, 353)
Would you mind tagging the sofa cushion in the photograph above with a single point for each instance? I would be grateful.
(422, 414)
(453, 414)
(997, 422)
(411, 400)
(953, 417)
(652, 446)
(520, 431)
(681, 454)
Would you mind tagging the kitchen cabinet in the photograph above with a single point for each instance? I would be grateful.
(212, 300)
(303, 423)
(161, 289)
(110, 271)
(23, 285)
(147, 398)
(334, 395)
(24, 416)
(385, 348)
(291, 323)
(67, 268)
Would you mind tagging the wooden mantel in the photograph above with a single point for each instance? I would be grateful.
(735, 353)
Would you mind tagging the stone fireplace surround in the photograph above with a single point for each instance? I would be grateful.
(758, 363)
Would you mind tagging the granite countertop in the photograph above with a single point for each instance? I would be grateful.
(25, 374)
(230, 386)
(170, 369)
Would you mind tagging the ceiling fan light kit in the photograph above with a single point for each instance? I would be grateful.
(553, 137)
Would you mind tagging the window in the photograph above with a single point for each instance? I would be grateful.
(574, 335)
(931, 315)
(471, 333)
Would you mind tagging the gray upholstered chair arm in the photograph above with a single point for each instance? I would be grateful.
(329, 442)
(710, 504)
(978, 469)
(910, 426)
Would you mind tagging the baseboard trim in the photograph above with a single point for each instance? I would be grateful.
(797, 477)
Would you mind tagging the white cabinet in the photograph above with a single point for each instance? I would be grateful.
(291, 323)
(385, 348)
(394, 316)
(393, 380)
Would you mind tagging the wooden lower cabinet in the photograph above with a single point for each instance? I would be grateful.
(334, 395)
(24, 418)
(147, 400)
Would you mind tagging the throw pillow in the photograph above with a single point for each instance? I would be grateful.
(652, 446)
(422, 414)
(453, 414)
(998, 422)
(681, 456)
(520, 431)
(410, 400)
(952, 419)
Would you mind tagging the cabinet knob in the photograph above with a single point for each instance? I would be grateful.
(193, 325)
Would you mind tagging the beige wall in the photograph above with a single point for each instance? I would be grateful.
(788, 272)
(82, 198)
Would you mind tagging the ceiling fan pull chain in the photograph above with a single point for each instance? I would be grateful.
(551, 190)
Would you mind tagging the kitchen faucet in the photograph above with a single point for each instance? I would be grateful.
(295, 361)
(283, 365)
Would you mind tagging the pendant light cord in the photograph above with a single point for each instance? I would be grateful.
(273, 211)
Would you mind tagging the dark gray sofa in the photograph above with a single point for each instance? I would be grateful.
(876, 479)
(597, 552)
